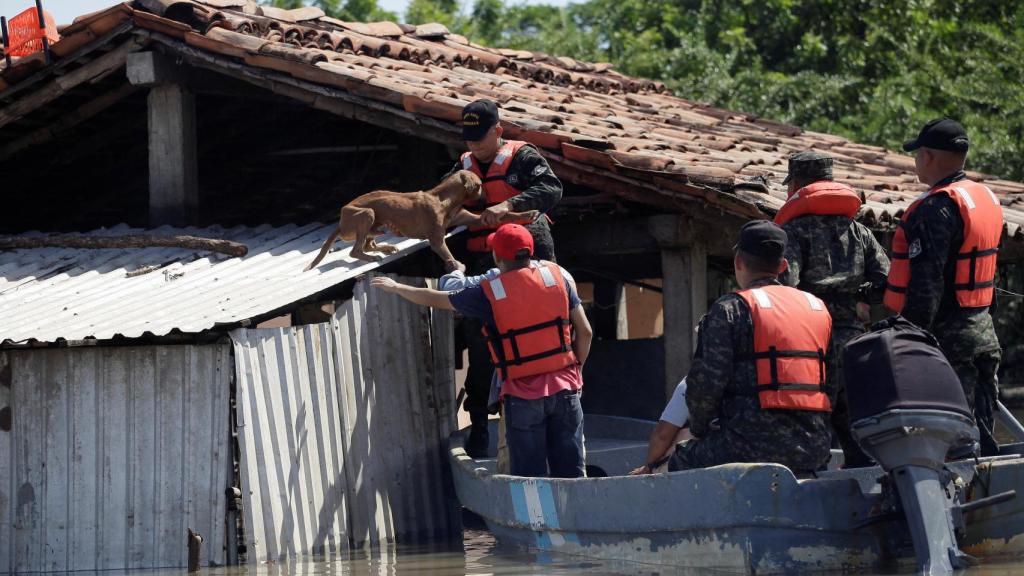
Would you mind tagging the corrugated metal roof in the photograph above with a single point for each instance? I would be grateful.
(48, 294)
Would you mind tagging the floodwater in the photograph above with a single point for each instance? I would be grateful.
(478, 554)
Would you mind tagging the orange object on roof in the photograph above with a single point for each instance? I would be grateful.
(25, 36)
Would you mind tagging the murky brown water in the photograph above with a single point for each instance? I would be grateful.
(479, 555)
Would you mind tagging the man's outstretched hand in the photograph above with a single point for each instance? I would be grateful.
(453, 265)
(492, 215)
(386, 284)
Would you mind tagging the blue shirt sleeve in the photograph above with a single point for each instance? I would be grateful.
(570, 287)
(457, 280)
(472, 301)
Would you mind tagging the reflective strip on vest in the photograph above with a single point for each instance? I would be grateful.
(531, 315)
(762, 299)
(976, 256)
(499, 289)
(549, 278)
(792, 329)
(496, 189)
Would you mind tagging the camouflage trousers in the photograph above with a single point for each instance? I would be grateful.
(853, 456)
(981, 387)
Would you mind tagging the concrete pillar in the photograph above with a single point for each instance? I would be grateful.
(173, 173)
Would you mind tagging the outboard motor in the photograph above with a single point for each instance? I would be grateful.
(908, 411)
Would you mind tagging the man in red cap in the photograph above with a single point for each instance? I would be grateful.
(516, 178)
(530, 312)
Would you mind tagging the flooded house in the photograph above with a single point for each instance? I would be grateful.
(170, 166)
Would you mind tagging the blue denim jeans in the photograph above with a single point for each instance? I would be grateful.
(545, 435)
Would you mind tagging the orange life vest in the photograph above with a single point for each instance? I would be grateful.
(496, 189)
(976, 258)
(531, 313)
(792, 329)
(824, 198)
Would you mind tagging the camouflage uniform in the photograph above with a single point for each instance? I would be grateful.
(838, 260)
(934, 233)
(541, 190)
(725, 413)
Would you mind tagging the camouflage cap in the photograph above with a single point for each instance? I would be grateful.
(809, 167)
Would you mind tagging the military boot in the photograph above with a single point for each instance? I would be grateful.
(479, 440)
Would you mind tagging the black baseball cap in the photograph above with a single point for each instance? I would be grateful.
(477, 118)
(763, 239)
(940, 134)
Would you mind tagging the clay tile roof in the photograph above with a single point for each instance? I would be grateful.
(597, 127)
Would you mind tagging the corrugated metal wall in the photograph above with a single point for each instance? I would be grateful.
(112, 453)
(343, 429)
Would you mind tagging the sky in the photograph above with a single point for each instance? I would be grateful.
(66, 10)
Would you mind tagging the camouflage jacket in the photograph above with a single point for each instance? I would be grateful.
(834, 258)
(935, 232)
(722, 396)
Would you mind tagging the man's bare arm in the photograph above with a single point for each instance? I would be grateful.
(584, 334)
(421, 296)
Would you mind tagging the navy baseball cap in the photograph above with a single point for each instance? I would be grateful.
(477, 118)
(763, 239)
(940, 134)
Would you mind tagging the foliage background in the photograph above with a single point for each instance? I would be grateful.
(871, 70)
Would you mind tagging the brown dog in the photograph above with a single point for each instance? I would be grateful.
(424, 215)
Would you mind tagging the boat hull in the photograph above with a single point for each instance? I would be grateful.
(737, 518)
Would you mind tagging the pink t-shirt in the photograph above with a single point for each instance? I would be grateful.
(543, 385)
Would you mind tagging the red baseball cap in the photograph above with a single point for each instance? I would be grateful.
(509, 240)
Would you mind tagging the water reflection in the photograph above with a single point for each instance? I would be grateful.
(478, 555)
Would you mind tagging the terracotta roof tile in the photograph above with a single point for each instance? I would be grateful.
(597, 126)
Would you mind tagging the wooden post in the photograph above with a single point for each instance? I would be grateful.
(684, 292)
(173, 175)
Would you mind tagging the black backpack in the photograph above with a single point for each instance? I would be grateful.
(899, 366)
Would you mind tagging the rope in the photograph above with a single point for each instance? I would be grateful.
(1008, 293)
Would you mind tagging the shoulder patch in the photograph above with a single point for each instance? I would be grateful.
(539, 170)
(915, 248)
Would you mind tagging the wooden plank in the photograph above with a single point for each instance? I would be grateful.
(85, 458)
(69, 60)
(6, 463)
(172, 370)
(215, 542)
(68, 121)
(90, 71)
(116, 437)
(684, 297)
(173, 172)
(143, 455)
(332, 99)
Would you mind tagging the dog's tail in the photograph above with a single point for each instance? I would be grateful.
(326, 248)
